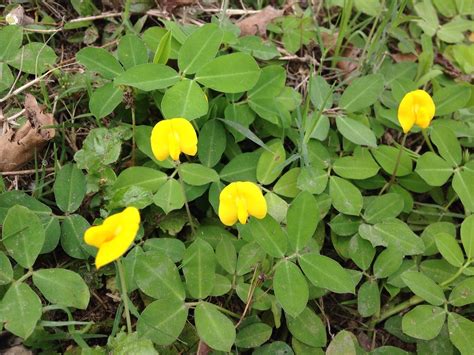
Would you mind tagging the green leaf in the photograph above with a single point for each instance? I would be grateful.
(105, 99)
(6, 77)
(343, 343)
(212, 143)
(257, 47)
(320, 93)
(369, 7)
(453, 31)
(226, 255)
(253, 335)
(312, 179)
(214, 328)
(124, 343)
(290, 287)
(132, 51)
(393, 233)
(171, 247)
(199, 48)
(383, 207)
(23, 235)
(463, 185)
(386, 156)
(302, 220)
(463, 293)
(356, 132)
(231, 73)
(429, 20)
(356, 168)
(197, 174)
(169, 196)
(362, 93)
(148, 178)
(162, 321)
(368, 299)
(270, 83)
(185, 99)
(467, 236)
(287, 184)
(424, 322)
(387, 263)
(34, 58)
(433, 169)
(361, 252)
(271, 163)
(308, 328)
(424, 287)
(100, 61)
(62, 287)
(148, 77)
(72, 237)
(448, 145)
(460, 332)
(346, 198)
(326, 273)
(199, 266)
(449, 249)
(10, 41)
(69, 188)
(164, 49)
(249, 255)
(165, 284)
(451, 98)
(6, 270)
(268, 234)
(154, 38)
(21, 310)
(241, 168)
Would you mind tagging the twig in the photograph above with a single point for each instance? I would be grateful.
(97, 17)
(25, 172)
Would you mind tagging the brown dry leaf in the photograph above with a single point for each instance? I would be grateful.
(352, 53)
(401, 57)
(170, 5)
(19, 147)
(258, 23)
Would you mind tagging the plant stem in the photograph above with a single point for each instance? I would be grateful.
(25, 276)
(188, 211)
(397, 164)
(123, 289)
(414, 300)
(428, 140)
(133, 135)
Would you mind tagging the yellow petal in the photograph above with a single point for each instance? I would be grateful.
(256, 203)
(114, 249)
(98, 235)
(242, 210)
(426, 108)
(227, 212)
(159, 140)
(406, 113)
(174, 145)
(187, 135)
(227, 204)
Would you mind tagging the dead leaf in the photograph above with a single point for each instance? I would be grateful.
(349, 53)
(170, 5)
(401, 57)
(17, 17)
(19, 147)
(258, 22)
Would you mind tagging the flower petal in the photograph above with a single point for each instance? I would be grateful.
(256, 203)
(96, 236)
(159, 140)
(187, 135)
(114, 249)
(426, 108)
(227, 212)
(406, 112)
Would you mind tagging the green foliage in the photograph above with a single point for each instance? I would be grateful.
(359, 225)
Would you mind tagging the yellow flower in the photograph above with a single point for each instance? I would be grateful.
(114, 235)
(172, 137)
(239, 200)
(416, 108)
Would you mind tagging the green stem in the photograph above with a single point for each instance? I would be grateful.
(25, 276)
(123, 289)
(133, 135)
(397, 164)
(428, 140)
(223, 310)
(188, 211)
(414, 300)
